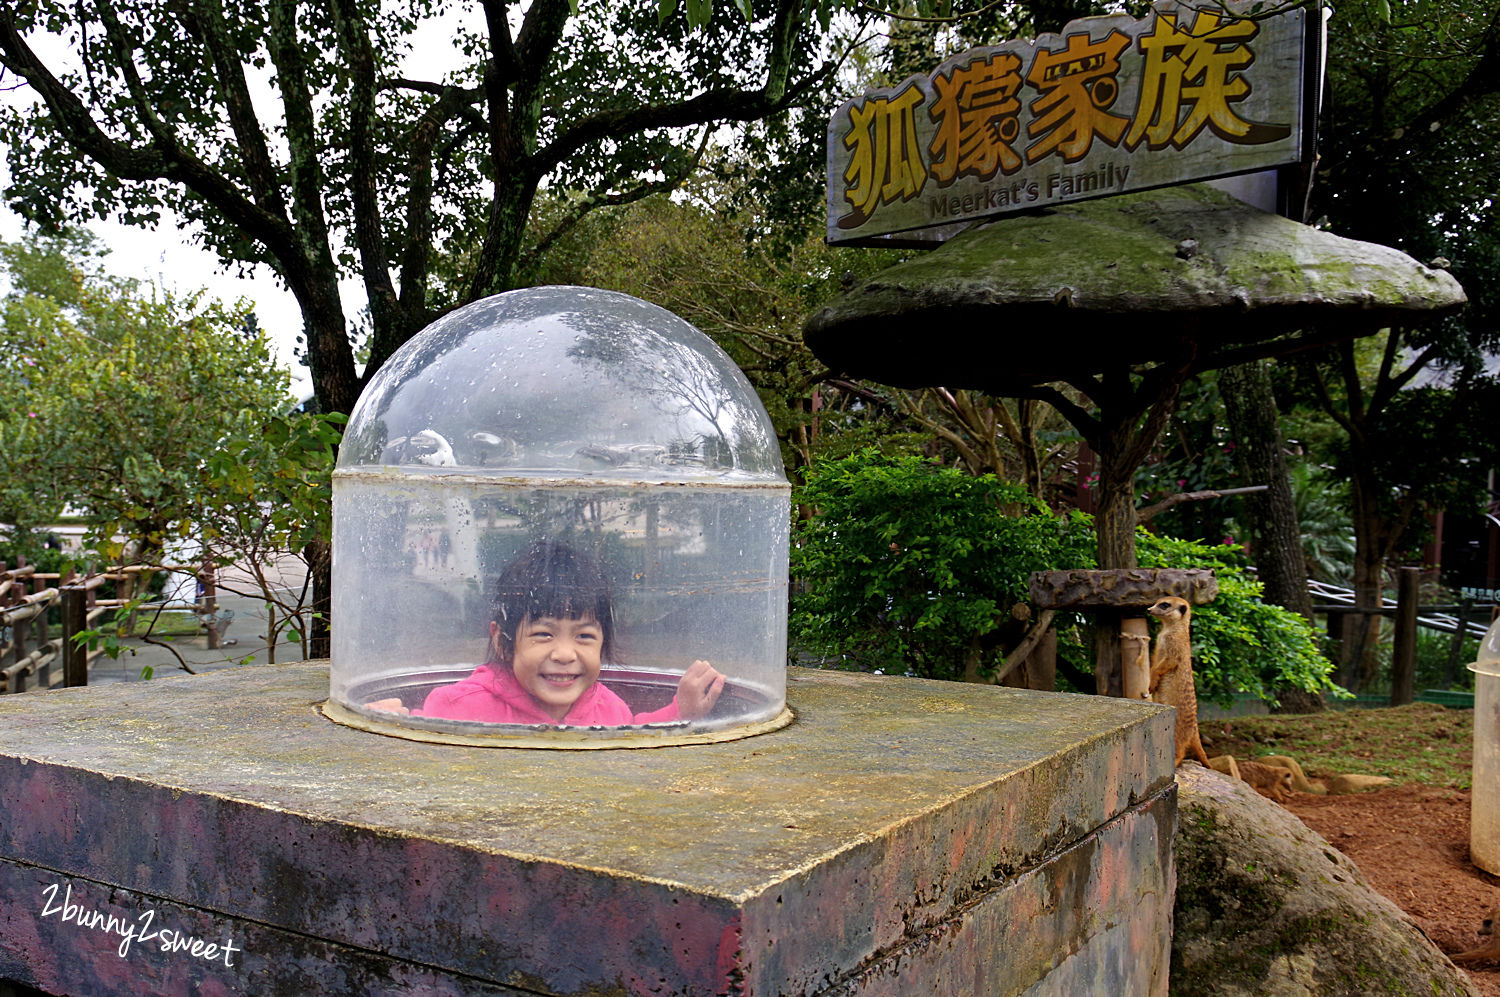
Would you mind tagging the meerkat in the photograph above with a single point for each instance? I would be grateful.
(1300, 782)
(1227, 765)
(1268, 780)
(1172, 673)
(1489, 950)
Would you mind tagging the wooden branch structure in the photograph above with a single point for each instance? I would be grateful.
(1146, 513)
(1023, 650)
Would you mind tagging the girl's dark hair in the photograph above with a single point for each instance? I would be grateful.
(551, 579)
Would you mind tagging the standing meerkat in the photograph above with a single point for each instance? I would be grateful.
(1172, 673)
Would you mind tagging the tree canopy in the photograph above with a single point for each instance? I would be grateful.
(118, 394)
(287, 134)
(1414, 110)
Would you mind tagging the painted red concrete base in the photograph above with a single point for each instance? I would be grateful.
(216, 835)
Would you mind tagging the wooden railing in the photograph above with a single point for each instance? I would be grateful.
(31, 657)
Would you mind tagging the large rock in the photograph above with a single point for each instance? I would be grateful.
(1267, 908)
(1099, 285)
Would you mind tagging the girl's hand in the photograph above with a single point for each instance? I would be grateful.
(699, 690)
(392, 705)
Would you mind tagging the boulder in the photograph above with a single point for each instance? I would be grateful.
(1267, 908)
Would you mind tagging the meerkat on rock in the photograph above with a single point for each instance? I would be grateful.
(1172, 673)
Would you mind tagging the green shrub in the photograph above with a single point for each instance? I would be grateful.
(913, 568)
(1239, 642)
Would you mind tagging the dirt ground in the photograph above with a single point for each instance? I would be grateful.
(1412, 844)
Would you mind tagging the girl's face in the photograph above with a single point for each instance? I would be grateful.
(556, 659)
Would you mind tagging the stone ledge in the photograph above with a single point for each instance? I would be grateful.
(776, 864)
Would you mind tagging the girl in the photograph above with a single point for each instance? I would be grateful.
(551, 630)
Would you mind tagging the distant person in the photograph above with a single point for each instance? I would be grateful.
(550, 632)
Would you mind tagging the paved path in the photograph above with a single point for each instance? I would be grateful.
(247, 630)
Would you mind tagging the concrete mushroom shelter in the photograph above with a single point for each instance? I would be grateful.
(1121, 298)
(1183, 274)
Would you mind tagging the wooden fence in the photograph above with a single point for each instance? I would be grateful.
(31, 655)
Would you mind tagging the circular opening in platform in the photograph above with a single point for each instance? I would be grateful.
(643, 690)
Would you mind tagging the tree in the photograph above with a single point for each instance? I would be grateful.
(286, 135)
(357, 168)
(120, 394)
(687, 254)
(1260, 456)
(1414, 99)
(265, 503)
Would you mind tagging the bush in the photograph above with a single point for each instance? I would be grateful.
(909, 567)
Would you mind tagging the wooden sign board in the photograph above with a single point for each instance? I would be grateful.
(1111, 105)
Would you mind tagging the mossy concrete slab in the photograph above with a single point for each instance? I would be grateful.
(1083, 288)
(899, 832)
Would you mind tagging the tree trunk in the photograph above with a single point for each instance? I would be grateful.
(1276, 536)
(1114, 521)
(1358, 659)
(319, 556)
(1114, 517)
(1260, 458)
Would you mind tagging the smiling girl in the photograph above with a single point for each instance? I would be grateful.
(551, 630)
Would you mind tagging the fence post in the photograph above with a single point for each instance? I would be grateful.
(20, 633)
(1404, 654)
(209, 604)
(74, 620)
(1455, 649)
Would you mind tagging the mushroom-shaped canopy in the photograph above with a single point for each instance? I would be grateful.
(1085, 287)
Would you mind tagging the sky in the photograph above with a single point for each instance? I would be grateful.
(165, 257)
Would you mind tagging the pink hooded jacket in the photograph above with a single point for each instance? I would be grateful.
(491, 694)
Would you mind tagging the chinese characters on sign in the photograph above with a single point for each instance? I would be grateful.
(1110, 105)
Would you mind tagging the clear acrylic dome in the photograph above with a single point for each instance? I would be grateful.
(559, 516)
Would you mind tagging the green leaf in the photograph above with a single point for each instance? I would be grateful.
(665, 9)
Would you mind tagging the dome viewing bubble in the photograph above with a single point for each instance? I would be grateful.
(560, 519)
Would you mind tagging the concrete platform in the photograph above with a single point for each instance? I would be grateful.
(216, 835)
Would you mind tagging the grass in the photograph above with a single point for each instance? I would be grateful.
(1422, 743)
(169, 624)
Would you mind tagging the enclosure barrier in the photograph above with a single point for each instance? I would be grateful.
(31, 656)
(1465, 619)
